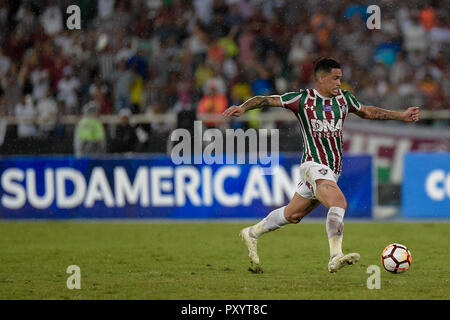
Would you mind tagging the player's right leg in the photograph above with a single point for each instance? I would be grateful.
(331, 196)
(297, 208)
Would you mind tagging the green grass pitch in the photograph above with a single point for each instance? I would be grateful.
(165, 261)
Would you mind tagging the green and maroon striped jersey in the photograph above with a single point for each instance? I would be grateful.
(321, 122)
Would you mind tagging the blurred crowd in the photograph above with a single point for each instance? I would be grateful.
(167, 56)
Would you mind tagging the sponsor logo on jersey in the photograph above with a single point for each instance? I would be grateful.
(326, 128)
(326, 125)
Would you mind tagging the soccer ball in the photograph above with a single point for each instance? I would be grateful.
(396, 258)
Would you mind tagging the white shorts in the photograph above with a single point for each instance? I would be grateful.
(311, 171)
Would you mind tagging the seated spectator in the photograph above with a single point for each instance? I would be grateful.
(89, 138)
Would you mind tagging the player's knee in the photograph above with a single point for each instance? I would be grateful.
(344, 203)
(330, 194)
(337, 200)
(340, 202)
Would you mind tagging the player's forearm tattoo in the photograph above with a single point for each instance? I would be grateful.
(256, 102)
(375, 113)
(264, 103)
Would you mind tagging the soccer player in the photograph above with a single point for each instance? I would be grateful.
(321, 113)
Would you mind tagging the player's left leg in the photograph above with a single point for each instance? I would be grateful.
(297, 208)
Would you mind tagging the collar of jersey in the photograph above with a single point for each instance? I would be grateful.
(317, 92)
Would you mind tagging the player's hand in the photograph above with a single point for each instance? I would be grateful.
(234, 111)
(411, 114)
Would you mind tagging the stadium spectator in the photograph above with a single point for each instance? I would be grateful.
(105, 8)
(39, 77)
(5, 63)
(25, 113)
(204, 10)
(52, 19)
(123, 78)
(125, 52)
(427, 17)
(26, 20)
(57, 70)
(104, 101)
(214, 100)
(439, 37)
(139, 64)
(15, 46)
(137, 94)
(415, 35)
(89, 137)
(105, 58)
(97, 85)
(47, 114)
(67, 90)
(125, 134)
(11, 88)
(399, 69)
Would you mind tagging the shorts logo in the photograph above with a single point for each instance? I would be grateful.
(323, 171)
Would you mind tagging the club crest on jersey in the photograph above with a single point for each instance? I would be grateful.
(323, 171)
(327, 107)
(341, 102)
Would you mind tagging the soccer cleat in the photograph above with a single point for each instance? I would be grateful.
(338, 262)
(251, 244)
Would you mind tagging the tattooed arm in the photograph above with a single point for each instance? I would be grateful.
(253, 103)
(375, 113)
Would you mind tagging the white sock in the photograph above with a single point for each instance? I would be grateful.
(335, 246)
(335, 230)
(273, 221)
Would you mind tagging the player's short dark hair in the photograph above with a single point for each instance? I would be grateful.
(326, 64)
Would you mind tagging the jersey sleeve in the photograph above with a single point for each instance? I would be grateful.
(353, 104)
(291, 101)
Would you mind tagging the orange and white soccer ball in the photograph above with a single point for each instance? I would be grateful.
(396, 258)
